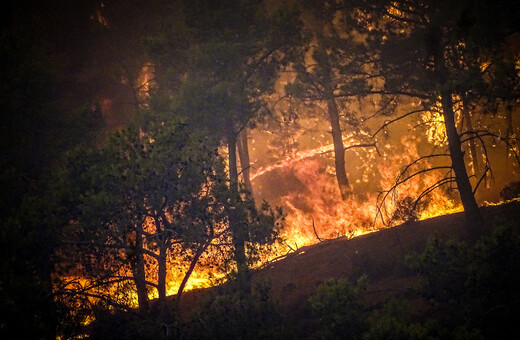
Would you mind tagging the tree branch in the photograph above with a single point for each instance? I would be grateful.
(391, 121)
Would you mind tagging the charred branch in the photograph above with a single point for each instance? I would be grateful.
(391, 121)
(401, 179)
(315, 232)
(484, 175)
(480, 134)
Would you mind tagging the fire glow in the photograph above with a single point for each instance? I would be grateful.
(314, 209)
(303, 183)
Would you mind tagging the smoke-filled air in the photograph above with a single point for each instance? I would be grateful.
(236, 169)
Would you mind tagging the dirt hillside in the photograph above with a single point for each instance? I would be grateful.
(379, 255)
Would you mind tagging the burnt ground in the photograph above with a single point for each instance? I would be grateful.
(379, 255)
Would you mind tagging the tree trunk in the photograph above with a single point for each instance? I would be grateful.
(472, 144)
(509, 120)
(471, 209)
(161, 274)
(237, 229)
(193, 263)
(339, 150)
(232, 154)
(47, 304)
(245, 162)
(140, 274)
(337, 139)
(509, 129)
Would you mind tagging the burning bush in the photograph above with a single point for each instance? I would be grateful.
(407, 209)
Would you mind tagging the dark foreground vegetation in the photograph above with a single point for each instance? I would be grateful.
(463, 287)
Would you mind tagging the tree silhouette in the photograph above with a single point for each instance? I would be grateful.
(438, 56)
(231, 51)
(143, 198)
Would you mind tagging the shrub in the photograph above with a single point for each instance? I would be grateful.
(475, 290)
(240, 316)
(407, 210)
(494, 282)
(124, 325)
(443, 269)
(396, 322)
(337, 304)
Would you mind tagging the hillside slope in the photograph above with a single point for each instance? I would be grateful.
(379, 255)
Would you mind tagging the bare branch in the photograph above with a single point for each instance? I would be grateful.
(315, 232)
(391, 121)
(431, 188)
(481, 179)
(401, 180)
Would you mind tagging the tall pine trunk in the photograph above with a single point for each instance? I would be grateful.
(139, 273)
(339, 148)
(245, 162)
(161, 260)
(472, 144)
(509, 129)
(471, 209)
(237, 229)
(337, 138)
(161, 274)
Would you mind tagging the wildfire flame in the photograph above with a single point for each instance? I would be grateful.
(287, 161)
(311, 200)
(303, 182)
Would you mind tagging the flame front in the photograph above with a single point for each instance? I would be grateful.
(314, 206)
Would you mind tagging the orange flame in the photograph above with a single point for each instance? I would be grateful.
(311, 200)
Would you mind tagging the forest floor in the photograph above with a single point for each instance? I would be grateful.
(379, 255)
